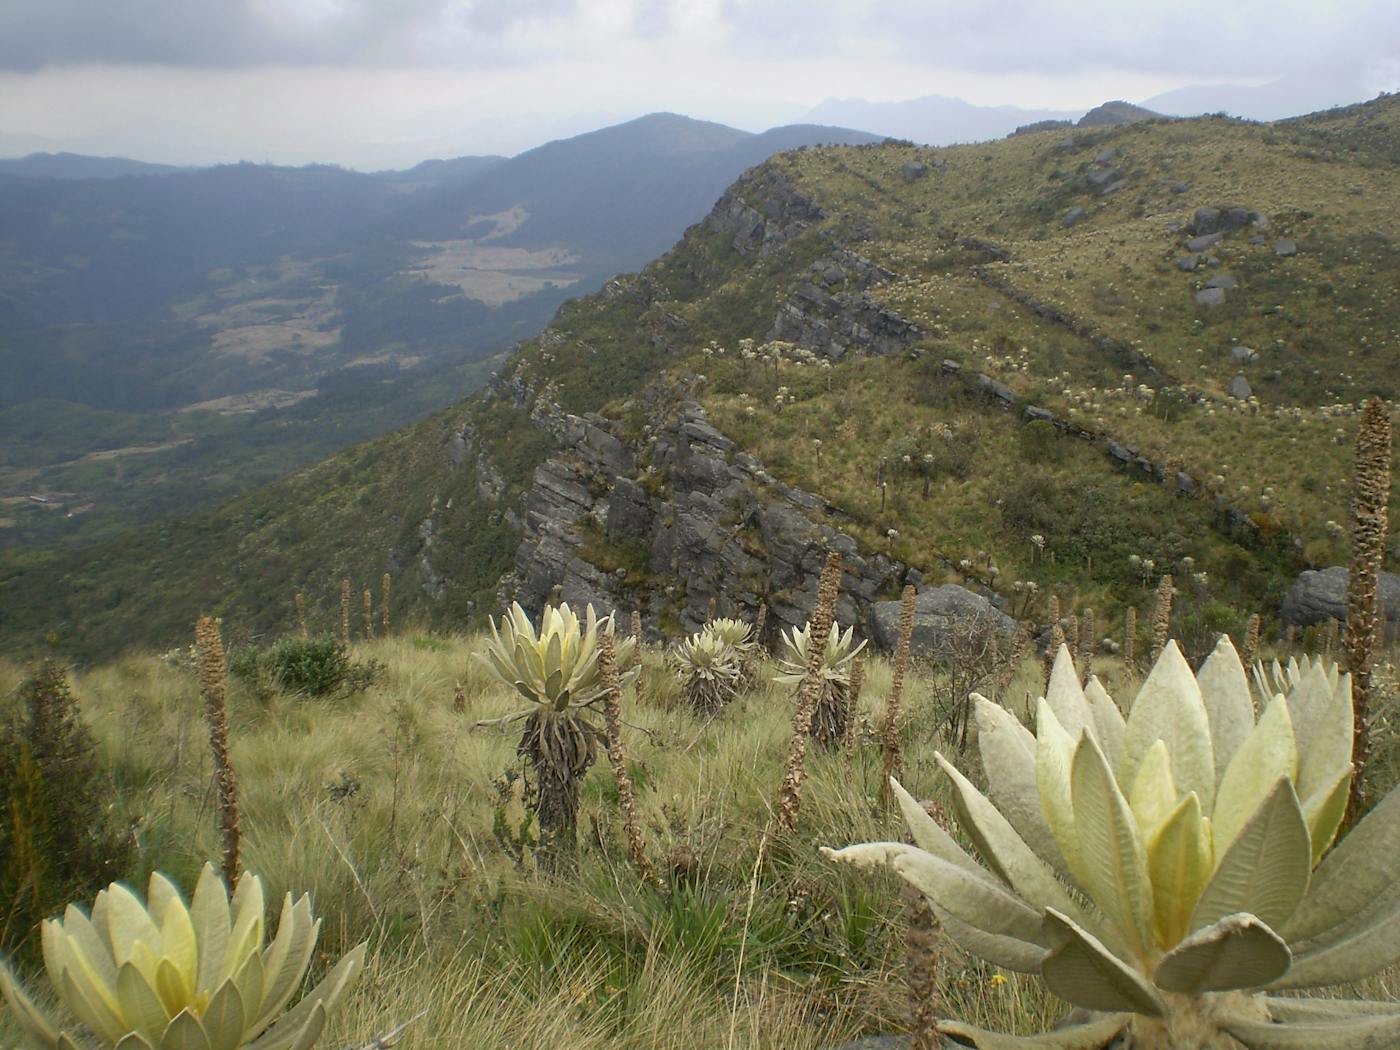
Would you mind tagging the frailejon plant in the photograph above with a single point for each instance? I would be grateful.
(833, 703)
(163, 976)
(1170, 871)
(710, 670)
(740, 637)
(556, 670)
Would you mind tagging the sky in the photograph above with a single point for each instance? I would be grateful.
(386, 83)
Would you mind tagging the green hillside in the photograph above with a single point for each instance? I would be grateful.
(249, 320)
(1013, 348)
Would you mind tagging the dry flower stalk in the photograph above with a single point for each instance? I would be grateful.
(459, 698)
(1370, 503)
(1162, 616)
(301, 614)
(1013, 658)
(853, 709)
(892, 755)
(921, 965)
(819, 627)
(1251, 640)
(637, 629)
(1130, 636)
(617, 758)
(1085, 658)
(345, 611)
(1057, 639)
(368, 602)
(1329, 636)
(210, 649)
(384, 605)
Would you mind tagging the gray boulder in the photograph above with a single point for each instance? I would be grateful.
(1211, 297)
(1074, 215)
(1206, 220)
(1239, 387)
(1187, 262)
(941, 616)
(1220, 220)
(1243, 355)
(1319, 595)
(1223, 280)
(1200, 244)
(1284, 246)
(914, 171)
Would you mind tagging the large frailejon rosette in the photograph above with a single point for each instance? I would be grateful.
(161, 975)
(1170, 870)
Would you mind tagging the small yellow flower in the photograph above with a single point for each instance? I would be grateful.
(996, 980)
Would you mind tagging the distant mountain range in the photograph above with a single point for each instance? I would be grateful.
(79, 166)
(938, 120)
(240, 288)
(1276, 100)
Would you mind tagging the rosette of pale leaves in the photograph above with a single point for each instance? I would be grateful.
(556, 667)
(164, 976)
(735, 633)
(841, 649)
(711, 670)
(1170, 871)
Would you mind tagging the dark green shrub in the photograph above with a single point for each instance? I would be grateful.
(311, 666)
(59, 840)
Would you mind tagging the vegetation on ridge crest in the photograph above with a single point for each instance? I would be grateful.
(403, 503)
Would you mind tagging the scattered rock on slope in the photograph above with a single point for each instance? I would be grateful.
(1319, 595)
(940, 613)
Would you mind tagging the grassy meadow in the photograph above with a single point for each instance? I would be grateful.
(405, 823)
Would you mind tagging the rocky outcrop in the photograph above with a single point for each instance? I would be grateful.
(1319, 595)
(833, 313)
(700, 523)
(761, 214)
(945, 618)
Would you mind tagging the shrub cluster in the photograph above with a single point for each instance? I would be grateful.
(308, 666)
(59, 840)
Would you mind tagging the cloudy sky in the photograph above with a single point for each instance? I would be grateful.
(380, 83)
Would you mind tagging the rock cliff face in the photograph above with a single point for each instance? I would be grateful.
(698, 523)
(676, 521)
(832, 312)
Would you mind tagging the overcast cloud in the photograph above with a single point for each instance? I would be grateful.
(386, 82)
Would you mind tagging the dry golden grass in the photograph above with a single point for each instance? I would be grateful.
(382, 805)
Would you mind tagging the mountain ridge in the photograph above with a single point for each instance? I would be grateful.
(258, 291)
(905, 352)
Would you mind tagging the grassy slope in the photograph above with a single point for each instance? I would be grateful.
(383, 807)
(1323, 321)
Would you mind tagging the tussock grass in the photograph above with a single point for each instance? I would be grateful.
(382, 806)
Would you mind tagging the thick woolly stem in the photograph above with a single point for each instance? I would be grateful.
(1162, 616)
(617, 758)
(852, 710)
(1251, 640)
(892, 754)
(210, 649)
(808, 694)
(345, 611)
(1369, 512)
